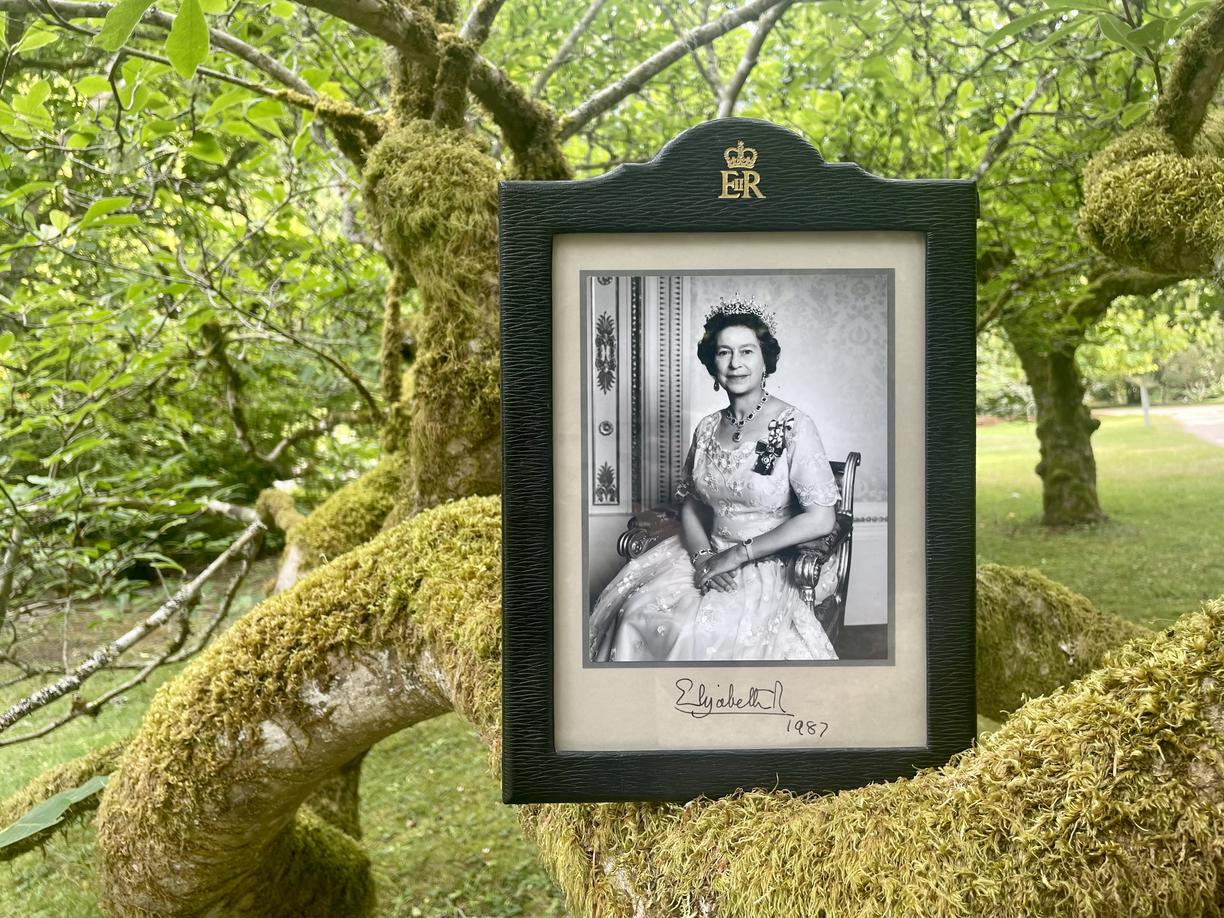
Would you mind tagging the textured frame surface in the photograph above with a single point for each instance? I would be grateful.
(672, 194)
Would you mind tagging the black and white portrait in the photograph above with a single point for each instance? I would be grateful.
(737, 470)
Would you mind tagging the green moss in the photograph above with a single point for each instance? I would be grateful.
(351, 516)
(433, 193)
(275, 505)
(1154, 198)
(356, 131)
(1148, 206)
(433, 582)
(1101, 799)
(1034, 635)
(60, 778)
(1192, 79)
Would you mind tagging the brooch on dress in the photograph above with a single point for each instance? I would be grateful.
(774, 444)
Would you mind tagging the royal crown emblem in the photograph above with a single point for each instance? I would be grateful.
(740, 156)
(740, 180)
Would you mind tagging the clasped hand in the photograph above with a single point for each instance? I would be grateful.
(717, 572)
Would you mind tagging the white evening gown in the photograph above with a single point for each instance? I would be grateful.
(652, 611)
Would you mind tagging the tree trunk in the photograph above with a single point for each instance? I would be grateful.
(1064, 429)
(1105, 798)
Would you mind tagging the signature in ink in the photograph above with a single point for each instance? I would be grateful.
(697, 700)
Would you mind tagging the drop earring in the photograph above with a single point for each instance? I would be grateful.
(716, 385)
(764, 376)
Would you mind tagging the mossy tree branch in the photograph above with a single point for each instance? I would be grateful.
(1154, 198)
(1192, 82)
(530, 129)
(1102, 798)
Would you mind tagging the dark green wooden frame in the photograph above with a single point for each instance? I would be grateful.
(678, 192)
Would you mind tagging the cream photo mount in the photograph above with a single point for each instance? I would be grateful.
(576, 729)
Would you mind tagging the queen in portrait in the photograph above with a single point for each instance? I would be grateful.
(756, 483)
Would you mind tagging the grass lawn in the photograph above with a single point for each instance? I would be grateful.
(442, 843)
(1162, 551)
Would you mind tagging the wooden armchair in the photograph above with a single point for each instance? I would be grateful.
(650, 527)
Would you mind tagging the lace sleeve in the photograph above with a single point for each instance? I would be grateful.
(685, 488)
(810, 476)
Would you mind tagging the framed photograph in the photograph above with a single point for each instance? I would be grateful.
(738, 434)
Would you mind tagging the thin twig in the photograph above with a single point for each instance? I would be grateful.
(730, 95)
(567, 47)
(707, 69)
(480, 21)
(640, 75)
(999, 142)
(104, 655)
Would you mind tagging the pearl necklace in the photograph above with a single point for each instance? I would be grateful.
(739, 425)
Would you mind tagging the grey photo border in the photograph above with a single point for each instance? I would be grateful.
(584, 385)
(678, 192)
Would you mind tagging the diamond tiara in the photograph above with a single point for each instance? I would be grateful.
(736, 306)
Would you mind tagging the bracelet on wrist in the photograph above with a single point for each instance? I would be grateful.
(747, 544)
(698, 555)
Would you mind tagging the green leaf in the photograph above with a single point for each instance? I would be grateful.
(100, 208)
(118, 220)
(1173, 26)
(282, 9)
(24, 191)
(6, 341)
(225, 100)
(92, 85)
(1118, 32)
(119, 23)
(187, 43)
(36, 36)
(1133, 113)
(204, 146)
(1018, 25)
(50, 812)
(240, 129)
(1150, 34)
(78, 141)
(214, 7)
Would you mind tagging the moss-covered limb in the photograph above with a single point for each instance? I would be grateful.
(59, 778)
(385, 636)
(276, 507)
(1034, 635)
(355, 130)
(529, 127)
(1192, 82)
(433, 194)
(351, 516)
(1154, 198)
(1105, 799)
(1148, 206)
(391, 353)
(455, 57)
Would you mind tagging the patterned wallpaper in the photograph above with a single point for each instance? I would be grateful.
(833, 328)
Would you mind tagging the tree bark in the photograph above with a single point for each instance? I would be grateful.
(1064, 430)
(1103, 798)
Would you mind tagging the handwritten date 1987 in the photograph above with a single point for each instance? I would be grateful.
(816, 728)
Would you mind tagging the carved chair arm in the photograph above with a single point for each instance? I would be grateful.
(646, 530)
(811, 556)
